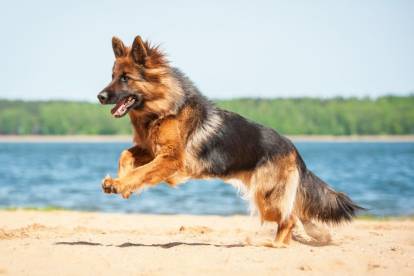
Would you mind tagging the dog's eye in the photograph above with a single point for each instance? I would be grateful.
(124, 78)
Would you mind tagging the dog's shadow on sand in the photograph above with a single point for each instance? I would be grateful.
(174, 244)
(162, 245)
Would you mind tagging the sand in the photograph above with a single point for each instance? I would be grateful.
(81, 243)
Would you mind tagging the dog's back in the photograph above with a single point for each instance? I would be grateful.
(226, 145)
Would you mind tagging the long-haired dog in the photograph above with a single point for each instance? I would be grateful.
(179, 134)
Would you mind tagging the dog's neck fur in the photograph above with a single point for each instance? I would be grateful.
(143, 119)
(181, 93)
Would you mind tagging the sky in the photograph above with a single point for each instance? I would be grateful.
(62, 49)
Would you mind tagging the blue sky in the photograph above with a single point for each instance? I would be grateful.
(62, 50)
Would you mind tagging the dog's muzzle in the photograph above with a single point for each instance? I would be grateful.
(103, 97)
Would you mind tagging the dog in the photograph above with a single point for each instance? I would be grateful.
(178, 134)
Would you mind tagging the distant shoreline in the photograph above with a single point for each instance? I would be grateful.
(128, 138)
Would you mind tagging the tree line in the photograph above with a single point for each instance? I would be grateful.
(294, 116)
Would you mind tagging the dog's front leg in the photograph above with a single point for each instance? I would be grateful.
(159, 169)
(130, 159)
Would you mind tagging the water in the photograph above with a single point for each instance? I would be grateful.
(379, 176)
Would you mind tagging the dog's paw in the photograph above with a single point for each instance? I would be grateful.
(108, 185)
(266, 243)
(277, 244)
(112, 186)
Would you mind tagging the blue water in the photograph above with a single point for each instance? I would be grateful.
(379, 176)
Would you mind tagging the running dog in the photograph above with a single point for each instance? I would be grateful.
(178, 134)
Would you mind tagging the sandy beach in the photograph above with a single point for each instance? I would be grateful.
(82, 243)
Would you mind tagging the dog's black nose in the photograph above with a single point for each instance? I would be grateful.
(103, 97)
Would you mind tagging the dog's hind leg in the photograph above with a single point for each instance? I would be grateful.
(320, 233)
(284, 231)
(275, 194)
(286, 203)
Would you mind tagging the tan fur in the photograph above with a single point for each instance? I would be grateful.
(272, 187)
(166, 146)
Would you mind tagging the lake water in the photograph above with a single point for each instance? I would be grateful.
(378, 176)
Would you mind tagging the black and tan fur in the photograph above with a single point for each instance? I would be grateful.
(179, 134)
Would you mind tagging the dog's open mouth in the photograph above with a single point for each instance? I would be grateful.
(124, 105)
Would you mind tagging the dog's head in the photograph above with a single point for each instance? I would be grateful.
(140, 79)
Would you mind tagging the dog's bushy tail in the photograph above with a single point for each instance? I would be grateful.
(317, 201)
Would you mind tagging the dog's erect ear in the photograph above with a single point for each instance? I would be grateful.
(138, 51)
(118, 46)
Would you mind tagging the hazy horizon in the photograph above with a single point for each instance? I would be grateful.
(236, 49)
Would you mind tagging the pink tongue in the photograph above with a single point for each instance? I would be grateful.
(119, 106)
